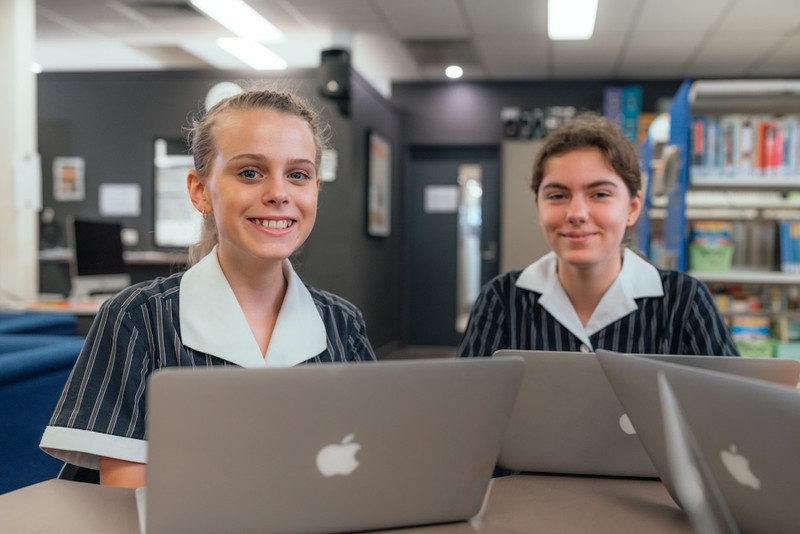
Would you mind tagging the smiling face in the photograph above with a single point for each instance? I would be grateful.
(584, 209)
(262, 185)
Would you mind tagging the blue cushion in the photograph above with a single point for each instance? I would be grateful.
(38, 323)
(16, 342)
(31, 382)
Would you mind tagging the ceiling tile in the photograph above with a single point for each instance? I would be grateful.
(424, 19)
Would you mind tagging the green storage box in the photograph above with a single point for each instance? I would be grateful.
(710, 258)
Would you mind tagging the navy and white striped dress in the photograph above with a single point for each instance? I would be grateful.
(682, 320)
(102, 408)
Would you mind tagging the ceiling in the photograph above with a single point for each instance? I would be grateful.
(413, 40)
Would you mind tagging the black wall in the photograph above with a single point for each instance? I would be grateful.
(468, 114)
(112, 119)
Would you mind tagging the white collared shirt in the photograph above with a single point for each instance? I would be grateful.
(212, 321)
(637, 279)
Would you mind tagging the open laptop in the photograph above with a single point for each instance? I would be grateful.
(324, 448)
(567, 418)
(693, 481)
(747, 430)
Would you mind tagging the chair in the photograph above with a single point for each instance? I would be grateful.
(31, 382)
(12, 322)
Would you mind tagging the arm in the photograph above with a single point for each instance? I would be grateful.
(485, 332)
(114, 472)
(704, 331)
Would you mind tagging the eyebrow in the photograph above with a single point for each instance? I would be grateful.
(592, 185)
(261, 157)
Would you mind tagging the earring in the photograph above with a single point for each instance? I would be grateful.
(205, 215)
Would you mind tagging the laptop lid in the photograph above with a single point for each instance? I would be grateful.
(567, 419)
(324, 448)
(747, 430)
(694, 484)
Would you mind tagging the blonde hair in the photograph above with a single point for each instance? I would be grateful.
(202, 142)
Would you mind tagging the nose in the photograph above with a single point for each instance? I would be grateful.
(578, 210)
(275, 192)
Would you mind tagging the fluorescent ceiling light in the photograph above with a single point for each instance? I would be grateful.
(254, 54)
(240, 18)
(571, 19)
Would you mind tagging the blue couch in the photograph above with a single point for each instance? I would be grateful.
(31, 381)
(13, 322)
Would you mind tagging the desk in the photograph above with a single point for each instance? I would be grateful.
(84, 310)
(514, 505)
(54, 275)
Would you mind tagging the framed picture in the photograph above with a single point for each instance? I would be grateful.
(68, 179)
(379, 185)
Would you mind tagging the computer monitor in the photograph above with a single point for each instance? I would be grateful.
(97, 265)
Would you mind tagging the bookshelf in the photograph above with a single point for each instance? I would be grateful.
(738, 164)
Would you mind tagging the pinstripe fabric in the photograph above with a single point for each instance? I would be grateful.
(138, 331)
(684, 321)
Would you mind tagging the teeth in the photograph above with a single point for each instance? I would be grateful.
(275, 224)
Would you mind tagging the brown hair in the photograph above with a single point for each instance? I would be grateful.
(201, 140)
(590, 130)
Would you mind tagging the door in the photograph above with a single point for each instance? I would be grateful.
(453, 207)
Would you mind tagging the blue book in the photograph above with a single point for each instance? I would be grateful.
(631, 110)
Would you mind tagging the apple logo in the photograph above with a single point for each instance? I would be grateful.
(338, 458)
(739, 468)
(626, 425)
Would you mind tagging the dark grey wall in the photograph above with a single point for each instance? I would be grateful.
(465, 114)
(111, 120)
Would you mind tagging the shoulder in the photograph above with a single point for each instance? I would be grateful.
(503, 281)
(327, 302)
(145, 293)
(676, 281)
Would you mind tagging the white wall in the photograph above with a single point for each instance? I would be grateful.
(19, 238)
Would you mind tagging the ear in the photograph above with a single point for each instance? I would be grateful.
(635, 208)
(198, 192)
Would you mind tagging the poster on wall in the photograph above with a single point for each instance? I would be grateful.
(379, 186)
(177, 222)
(68, 179)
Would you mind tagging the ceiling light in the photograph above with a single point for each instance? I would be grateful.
(240, 18)
(36, 68)
(571, 19)
(254, 54)
(453, 72)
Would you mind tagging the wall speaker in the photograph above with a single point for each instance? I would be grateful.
(334, 74)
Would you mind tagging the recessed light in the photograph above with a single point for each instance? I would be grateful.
(454, 72)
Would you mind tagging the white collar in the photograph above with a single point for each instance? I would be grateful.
(637, 279)
(213, 322)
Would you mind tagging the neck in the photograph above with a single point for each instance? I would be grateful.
(260, 292)
(585, 287)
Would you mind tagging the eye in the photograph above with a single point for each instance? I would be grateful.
(250, 174)
(299, 175)
(602, 194)
(555, 196)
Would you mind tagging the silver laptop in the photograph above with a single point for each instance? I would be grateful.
(693, 481)
(567, 418)
(324, 448)
(747, 429)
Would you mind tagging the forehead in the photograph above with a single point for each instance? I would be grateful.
(584, 165)
(238, 126)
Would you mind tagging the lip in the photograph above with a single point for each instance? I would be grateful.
(273, 224)
(577, 237)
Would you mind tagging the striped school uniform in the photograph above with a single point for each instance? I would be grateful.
(188, 319)
(646, 310)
